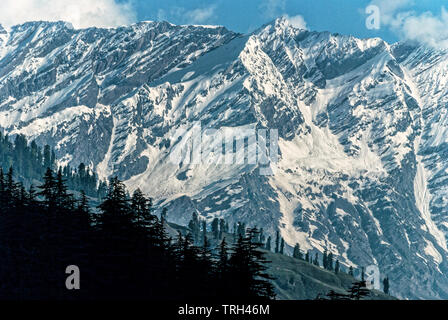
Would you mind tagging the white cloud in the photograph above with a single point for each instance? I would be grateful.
(273, 8)
(426, 27)
(200, 15)
(297, 21)
(180, 15)
(81, 13)
(276, 8)
(390, 7)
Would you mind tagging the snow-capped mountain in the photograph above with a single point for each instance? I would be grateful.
(362, 126)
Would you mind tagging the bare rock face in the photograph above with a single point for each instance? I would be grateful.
(362, 164)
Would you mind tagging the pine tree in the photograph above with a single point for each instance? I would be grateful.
(127, 249)
(62, 198)
(12, 191)
(141, 208)
(223, 270)
(83, 204)
(330, 261)
(115, 208)
(350, 271)
(204, 231)
(338, 296)
(215, 228)
(325, 259)
(223, 256)
(268, 244)
(3, 198)
(222, 228)
(32, 197)
(47, 157)
(316, 260)
(262, 236)
(358, 290)
(102, 190)
(248, 267)
(282, 246)
(48, 190)
(297, 254)
(195, 227)
(188, 264)
(386, 285)
(241, 229)
(206, 267)
(337, 267)
(277, 242)
(163, 216)
(308, 257)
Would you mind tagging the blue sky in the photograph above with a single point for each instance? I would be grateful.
(422, 20)
(342, 16)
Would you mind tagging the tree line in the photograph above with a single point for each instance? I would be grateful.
(123, 252)
(218, 228)
(30, 162)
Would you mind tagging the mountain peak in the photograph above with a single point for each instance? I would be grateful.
(43, 25)
(286, 22)
(2, 30)
(350, 129)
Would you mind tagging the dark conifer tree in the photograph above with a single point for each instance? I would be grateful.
(83, 204)
(282, 246)
(3, 197)
(48, 190)
(115, 207)
(223, 262)
(62, 198)
(337, 267)
(308, 257)
(330, 261)
(206, 269)
(204, 231)
(163, 216)
(316, 259)
(350, 271)
(262, 236)
(195, 227)
(297, 254)
(124, 252)
(215, 228)
(141, 208)
(47, 157)
(223, 275)
(248, 268)
(222, 228)
(325, 259)
(358, 290)
(32, 196)
(386, 285)
(277, 242)
(241, 229)
(269, 243)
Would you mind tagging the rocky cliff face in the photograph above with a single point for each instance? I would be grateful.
(362, 131)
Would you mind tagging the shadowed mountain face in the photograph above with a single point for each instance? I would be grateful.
(362, 126)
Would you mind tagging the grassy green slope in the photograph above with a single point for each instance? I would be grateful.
(300, 280)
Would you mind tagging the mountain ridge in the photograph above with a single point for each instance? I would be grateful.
(358, 173)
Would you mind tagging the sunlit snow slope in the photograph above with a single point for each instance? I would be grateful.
(363, 131)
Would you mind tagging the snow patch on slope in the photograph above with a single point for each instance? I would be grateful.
(423, 197)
